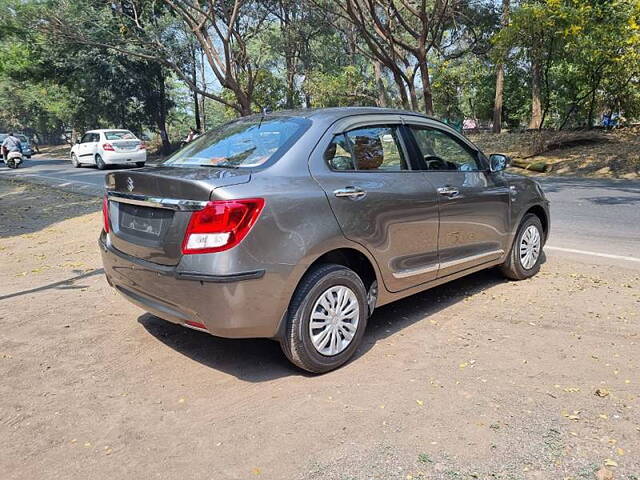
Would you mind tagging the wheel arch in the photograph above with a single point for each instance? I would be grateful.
(350, 258)
(541, 213)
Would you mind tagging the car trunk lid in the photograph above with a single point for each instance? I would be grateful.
(125, 145)
(149, 208)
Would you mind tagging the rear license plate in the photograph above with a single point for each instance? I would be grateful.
(143, 220)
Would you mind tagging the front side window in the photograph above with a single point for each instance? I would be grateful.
(244, 143)
(367, 149)
(87, 138)
(441, 151)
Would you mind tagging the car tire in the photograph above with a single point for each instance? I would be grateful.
(529, 239)
(74, 161)
(100, 162)
(140, 164)
(319, 285)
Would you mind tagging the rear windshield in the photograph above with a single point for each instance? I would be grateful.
(119, 135)
(244, 143)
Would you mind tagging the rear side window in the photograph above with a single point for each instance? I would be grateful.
(119, 135)
(244, 143)
(366, 149)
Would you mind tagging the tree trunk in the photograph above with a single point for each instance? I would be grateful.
(196, 103)
(410, 78)
(497, 103)
(592, 105)
(196, 111)
(161, 115)
(402, 89)
(536, 80)
(244, 104)
(426, 87)
(203, 81)
(382, 91)
(412, 94)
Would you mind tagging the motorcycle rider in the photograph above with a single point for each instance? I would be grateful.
(11, 144)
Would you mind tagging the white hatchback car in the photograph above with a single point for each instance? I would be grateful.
(108, 147)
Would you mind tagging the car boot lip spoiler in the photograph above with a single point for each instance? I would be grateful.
(158, 202)
(181, 275)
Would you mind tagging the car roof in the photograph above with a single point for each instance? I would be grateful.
(336, 113)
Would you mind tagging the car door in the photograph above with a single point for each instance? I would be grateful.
(473, 202)
(381, 201)
(94, 146)
(81, 147)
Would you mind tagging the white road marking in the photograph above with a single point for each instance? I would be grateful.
(65, 180)
(593, 254)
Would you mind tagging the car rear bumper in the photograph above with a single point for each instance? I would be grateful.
(239, 305)
(125, 157)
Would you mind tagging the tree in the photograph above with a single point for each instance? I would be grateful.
(497, 106)
(401, 35)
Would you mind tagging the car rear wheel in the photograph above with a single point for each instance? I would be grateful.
(526, 252)
(100, 162)
(326, 319)
(74, 161)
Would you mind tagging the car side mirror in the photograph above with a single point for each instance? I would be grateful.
(498, 162)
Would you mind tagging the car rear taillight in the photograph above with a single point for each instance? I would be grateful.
(108, 147)
(142, 146)
(221, 225)
(105, 213)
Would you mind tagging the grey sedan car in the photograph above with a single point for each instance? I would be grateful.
(296, 225)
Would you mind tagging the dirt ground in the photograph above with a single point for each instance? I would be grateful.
(478, 379)
(592, 153)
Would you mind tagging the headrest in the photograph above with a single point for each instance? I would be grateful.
(368, 152)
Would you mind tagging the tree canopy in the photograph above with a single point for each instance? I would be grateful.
(163, 65)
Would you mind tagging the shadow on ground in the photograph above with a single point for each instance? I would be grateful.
(68, 284)
(257, 360)
(27, 209)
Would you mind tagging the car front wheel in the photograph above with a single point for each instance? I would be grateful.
(526, 252)
(326, 319)
(74, 161)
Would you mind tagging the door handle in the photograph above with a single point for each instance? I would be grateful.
(350, 192)
(449, 192)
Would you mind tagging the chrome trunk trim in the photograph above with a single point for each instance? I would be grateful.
(157, 202)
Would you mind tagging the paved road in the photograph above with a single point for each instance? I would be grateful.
(588, 215)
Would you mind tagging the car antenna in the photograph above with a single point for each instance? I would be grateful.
(265, 112)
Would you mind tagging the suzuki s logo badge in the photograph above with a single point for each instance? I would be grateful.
(130, 184)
